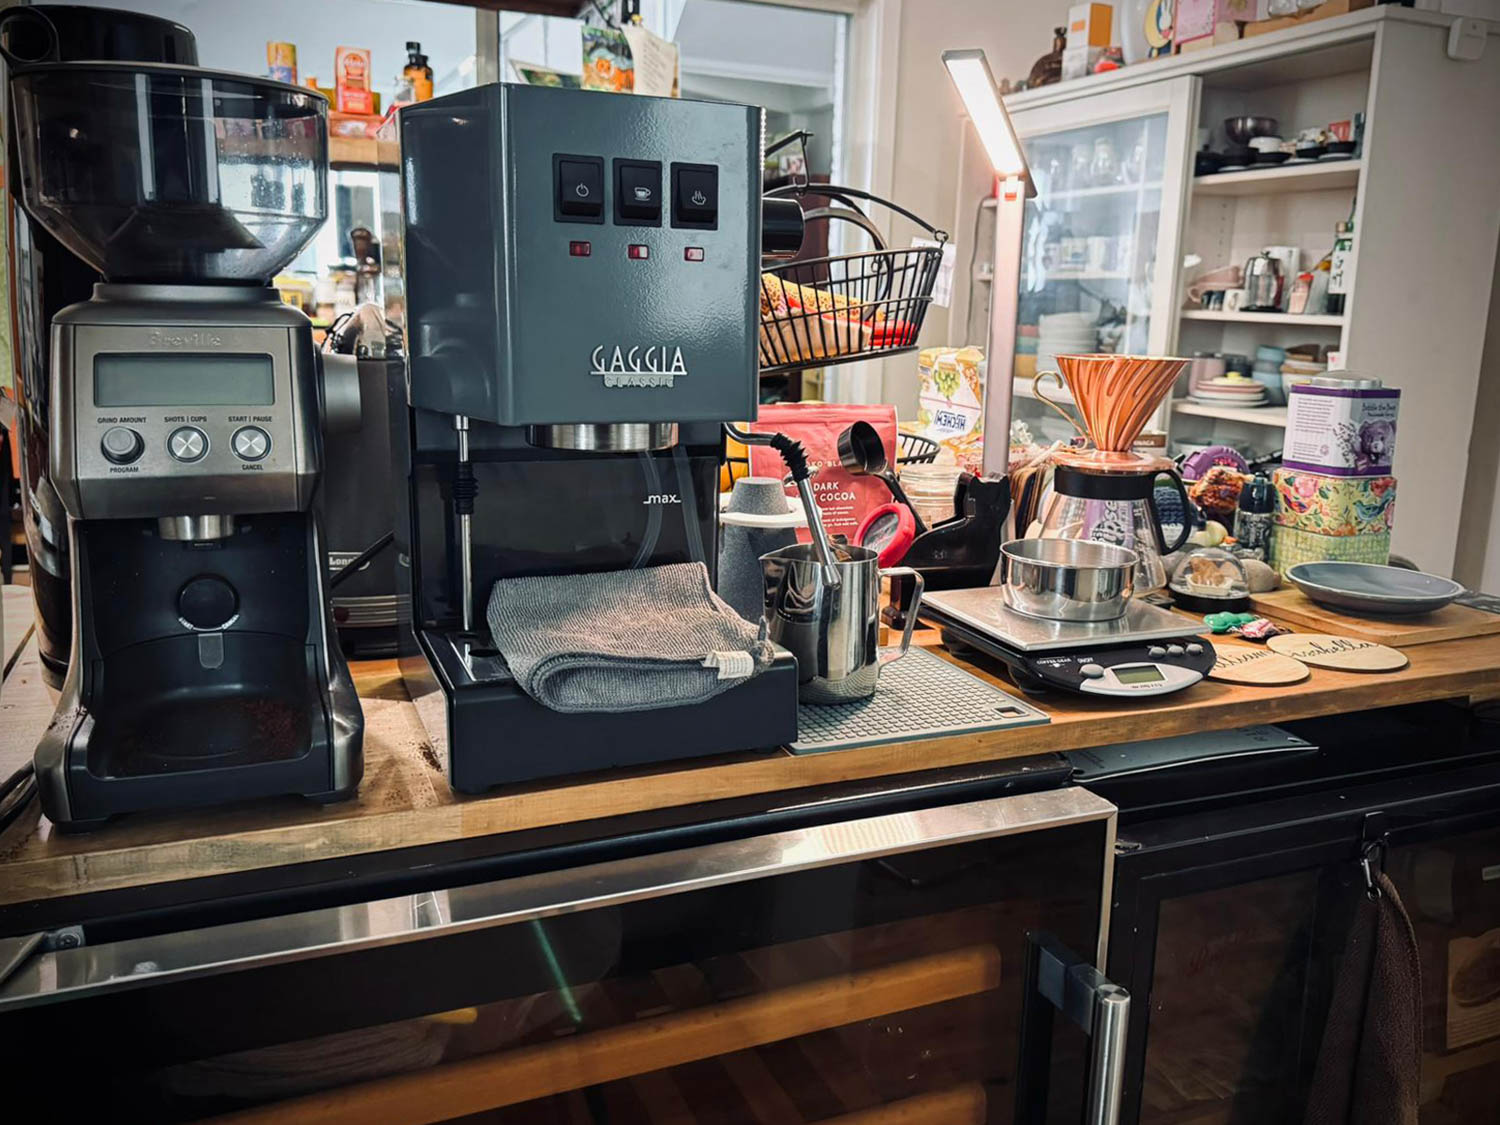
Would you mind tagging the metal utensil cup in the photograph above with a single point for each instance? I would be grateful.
(833, 629)
(1068, 579)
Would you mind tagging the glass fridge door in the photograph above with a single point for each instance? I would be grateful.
(932, 966)
(1100, 237)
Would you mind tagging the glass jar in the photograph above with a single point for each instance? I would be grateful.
(1211, 580)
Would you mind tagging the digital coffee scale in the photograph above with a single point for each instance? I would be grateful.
(1150, 651)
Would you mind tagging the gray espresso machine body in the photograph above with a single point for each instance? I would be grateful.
(582, 298)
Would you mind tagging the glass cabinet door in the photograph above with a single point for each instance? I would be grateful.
(863, 971)
(1096, 270)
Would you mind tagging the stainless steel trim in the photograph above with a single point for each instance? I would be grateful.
(1107, 1055)
(605, 437)
(73, 974)
(465, 533)
(195, 529)
(1107, 892)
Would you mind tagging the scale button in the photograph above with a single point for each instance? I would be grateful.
(1195, 650)
(251, 443)
(1092, 671)
(1156, 652)
(121, 444)
(187, 443)
(1175, 650)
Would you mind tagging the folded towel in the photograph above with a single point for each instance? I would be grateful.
(623, 640)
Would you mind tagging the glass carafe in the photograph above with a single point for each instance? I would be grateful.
(1115, 507)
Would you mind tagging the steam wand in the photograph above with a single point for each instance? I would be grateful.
(796, 461)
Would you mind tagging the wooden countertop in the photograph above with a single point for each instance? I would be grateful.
(405, 802)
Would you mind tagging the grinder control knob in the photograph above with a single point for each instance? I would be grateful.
(121, 445)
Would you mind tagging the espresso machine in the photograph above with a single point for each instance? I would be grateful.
(582, 300)
(45, 277)
(187, 414)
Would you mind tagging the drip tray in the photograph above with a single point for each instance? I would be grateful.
(920, 696)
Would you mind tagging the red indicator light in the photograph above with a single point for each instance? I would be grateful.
(638, 252)
(693, 254)
(580, 249)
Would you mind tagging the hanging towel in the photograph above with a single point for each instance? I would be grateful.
(1369, 1068)
(623, 640)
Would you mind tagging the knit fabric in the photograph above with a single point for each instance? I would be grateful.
(623, 640)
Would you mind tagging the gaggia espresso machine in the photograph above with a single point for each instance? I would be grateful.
(187, 413)
(581, 282)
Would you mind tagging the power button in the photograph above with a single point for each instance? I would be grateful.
(578, 189)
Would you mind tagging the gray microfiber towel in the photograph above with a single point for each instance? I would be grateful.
(623, 640)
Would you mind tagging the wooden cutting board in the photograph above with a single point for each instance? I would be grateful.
(1449, 623)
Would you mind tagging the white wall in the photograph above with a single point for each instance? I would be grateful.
(929, 126)
(232, 34)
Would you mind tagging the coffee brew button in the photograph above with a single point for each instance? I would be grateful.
(251, 443)
(121, 445)
(187, 443)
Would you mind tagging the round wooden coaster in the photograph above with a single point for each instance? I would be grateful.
(1345, 653)
(1241, 664)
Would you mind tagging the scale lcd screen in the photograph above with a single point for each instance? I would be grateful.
(184, 380)
(1140, 674)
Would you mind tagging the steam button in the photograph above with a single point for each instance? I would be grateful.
(121, 445)
(250, 443)
(695, 196)
(187, 443)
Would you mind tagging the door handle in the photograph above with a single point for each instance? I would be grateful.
(1058, 980)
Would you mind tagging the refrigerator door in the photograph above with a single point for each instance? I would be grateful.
(874, 969)
(1100, 241)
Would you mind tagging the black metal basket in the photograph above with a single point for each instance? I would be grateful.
(848, 307)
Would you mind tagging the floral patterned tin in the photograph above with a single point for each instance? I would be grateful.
(1330, 505)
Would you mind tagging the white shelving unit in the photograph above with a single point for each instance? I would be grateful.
(1299, 321)
(1323, 176)
(1425, 224)
(1253, 415)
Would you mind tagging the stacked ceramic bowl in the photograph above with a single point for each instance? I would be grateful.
(1229, 390)
(1064, 334)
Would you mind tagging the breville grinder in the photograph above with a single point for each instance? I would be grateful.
(188, 409)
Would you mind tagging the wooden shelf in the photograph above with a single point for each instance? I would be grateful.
(1262, 318)
(1287, 178)
(363, 153)
(1274, 416)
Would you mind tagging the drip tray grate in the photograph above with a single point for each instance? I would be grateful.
(920, 696)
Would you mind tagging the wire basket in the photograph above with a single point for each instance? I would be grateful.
(847, 307)
(916, 449)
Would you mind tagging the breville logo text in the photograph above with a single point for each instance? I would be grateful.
(654, 366)
(159, 339)
(662, 498)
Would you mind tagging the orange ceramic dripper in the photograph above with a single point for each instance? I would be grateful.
(1115, 394)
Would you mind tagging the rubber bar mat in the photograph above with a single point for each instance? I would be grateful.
(920, 696)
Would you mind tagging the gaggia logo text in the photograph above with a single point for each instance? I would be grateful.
(655, 366)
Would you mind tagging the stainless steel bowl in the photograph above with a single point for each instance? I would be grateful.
(1068, 579)
(1243, 130)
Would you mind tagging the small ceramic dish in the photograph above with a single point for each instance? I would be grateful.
(1365, 588)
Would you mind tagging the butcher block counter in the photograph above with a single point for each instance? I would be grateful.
(405, 815)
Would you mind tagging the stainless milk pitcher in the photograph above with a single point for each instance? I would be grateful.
(833, 631)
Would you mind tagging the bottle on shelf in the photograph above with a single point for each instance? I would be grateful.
(1341, 264)
(417, 72)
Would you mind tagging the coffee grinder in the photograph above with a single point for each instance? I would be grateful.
(186, 420)
(582, 301)
(45, 277)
